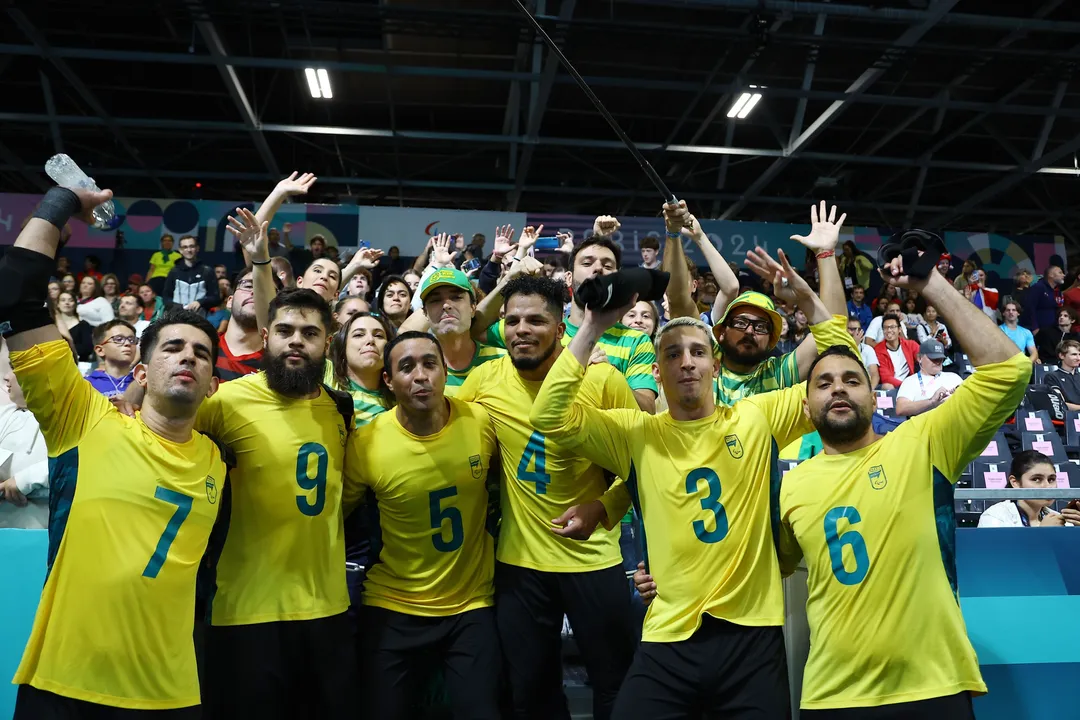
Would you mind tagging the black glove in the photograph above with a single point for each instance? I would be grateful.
(615, 290)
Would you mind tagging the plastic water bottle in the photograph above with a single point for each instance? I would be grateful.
(66, 173)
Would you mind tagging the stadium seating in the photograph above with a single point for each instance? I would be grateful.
(1035, 421)
(1048, 443)
(997, 450)
(1041, 371)
(1072, 432)
(886, 402)
(962, 365)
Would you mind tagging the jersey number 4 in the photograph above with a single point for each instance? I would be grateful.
(711, 503)
(183, 508)
(852, 539)
(309, 483)
(536, 455)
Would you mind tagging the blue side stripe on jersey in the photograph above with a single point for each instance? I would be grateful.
(639, 519)
(945, 520)
(63, 474)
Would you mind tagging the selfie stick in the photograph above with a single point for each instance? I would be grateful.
(653, 176)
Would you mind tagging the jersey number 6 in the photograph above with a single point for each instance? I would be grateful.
(439, 513)
(308, 483)
(710, 502)
(852, 539)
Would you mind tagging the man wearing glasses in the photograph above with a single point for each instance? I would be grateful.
(929, 387)
(241, 343)
(115, 346)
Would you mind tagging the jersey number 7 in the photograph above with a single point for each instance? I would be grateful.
(183, 508)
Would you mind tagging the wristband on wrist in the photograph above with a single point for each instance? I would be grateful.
(672, 235)
(825, 254)
(260, 262)
(58, 206)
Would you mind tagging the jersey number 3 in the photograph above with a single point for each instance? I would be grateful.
(308, 483)
(836, 542)
(536, 454)
(710, 502)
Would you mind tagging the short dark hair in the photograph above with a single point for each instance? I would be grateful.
(1025, 460)
(1065, 345)
(891, 316)
(188, 237)
(238, 277)
(1010, 301)
(602, 241)
(386, 283)
(136, 297)
(409, 335)
(553, 292)
(649, 243)
(177, 316)
(317, 238)
(844, 351)
(302, 299)
(101, 331)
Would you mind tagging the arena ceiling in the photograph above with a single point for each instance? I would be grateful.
(938, 113)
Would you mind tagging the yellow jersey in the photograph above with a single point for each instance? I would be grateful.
(284, 555)
(131, 518)
(436, 557)
(484, 354)
(878, 532)
(543, 477)
(706, 491)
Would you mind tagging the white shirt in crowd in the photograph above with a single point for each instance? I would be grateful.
(96, 312)
(874, 331)
(922, 387)
(140, 325)
(23, 455)
(1005, 514)
(899, 362)
(869, 357)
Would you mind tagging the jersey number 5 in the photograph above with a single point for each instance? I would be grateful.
(306, 482)
(439, 513)
(852, 539)
(536, 454)
(710, 502)
(183, 508)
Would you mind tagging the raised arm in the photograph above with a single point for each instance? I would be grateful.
(680, 299)
(727, 282)
(824, 234)
(251, 234)
(488, 309)
(364, 258)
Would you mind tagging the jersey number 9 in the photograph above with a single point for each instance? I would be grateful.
(439, 513)
(852, 539)
(309, 483)
(710, 502)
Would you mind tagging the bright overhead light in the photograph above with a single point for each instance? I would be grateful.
(318, 83)
(744, 104)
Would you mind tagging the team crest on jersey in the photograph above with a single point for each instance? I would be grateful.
(476, 466)
(734, 446)
(211, 489)
(877, 477)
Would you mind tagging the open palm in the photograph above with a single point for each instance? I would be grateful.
(824, 230)
(297, 184)
(248, 232)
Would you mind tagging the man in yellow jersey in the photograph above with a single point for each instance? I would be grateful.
(428, 598)
(705, 482)
(133, 502)
(551, 493)
(874, 517)
(278, 644)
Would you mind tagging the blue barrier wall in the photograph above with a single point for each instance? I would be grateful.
(1020, 593)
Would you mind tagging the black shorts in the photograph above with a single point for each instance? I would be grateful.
(953, 707)
(34, 704)
(722, 671)
(401, 653)
(290, 670)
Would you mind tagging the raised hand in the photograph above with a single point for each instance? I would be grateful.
(605, 225)
(676, 216)
(504, 242)
(893, 274)
(90, 199)
(824, 231)
(294, 185)
(525, 266)
(529, 236)
(249, 233)
(441, 257)
(606, 318)
(567, 242)
(366, 258)
(788, 285)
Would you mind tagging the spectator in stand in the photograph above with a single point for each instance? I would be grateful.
(302, 258)
(54, 291)
(866, 352)
(896, 355)
(1030, 470)
(889, 293)
(855, 270)
(67, 281)
(874, 333)
(984, 298)
(273, 241)
(283, 271)
(91, 265)
(944, 265)
(191, 284)
(78, 330)
(929, 387)
(650, 253)
(130, 311)
(359, 285)
(477, 242)
(786, 343)
(93, 307)
(394, 264)
(799, 327)
(1022, 279)
(241, 345)
(932, 328)
(412, 279)
(357, 357)
(857, 309)
(1071, 296)
(964, 278)
(1019, 335)
(393, 299)
(154, 305)
(161, 264)
(912, 317)
(134, 281)
(110, 289)
(63, 267)
(345, 309)
(219, 316)
(220, 271)
(1045, 298)
(1066, 377)
(24, 458)
(1048, 339)
(643, 316)
(115, 344)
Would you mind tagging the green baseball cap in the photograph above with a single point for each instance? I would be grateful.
(446, 276)
(759, 301)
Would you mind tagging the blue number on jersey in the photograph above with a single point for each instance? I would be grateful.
(711, 502)
(850, 538)
(306, 482)
(183, 507)
(438, 514)
(535, 452)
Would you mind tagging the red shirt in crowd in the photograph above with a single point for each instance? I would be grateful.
(231, 367)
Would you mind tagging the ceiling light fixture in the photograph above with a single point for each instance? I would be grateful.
(744, 104)
(318, 83)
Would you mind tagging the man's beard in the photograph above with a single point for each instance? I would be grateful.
(532, 363)
(244, 317)
(842, 432)
(292, 382)
(743, 355)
